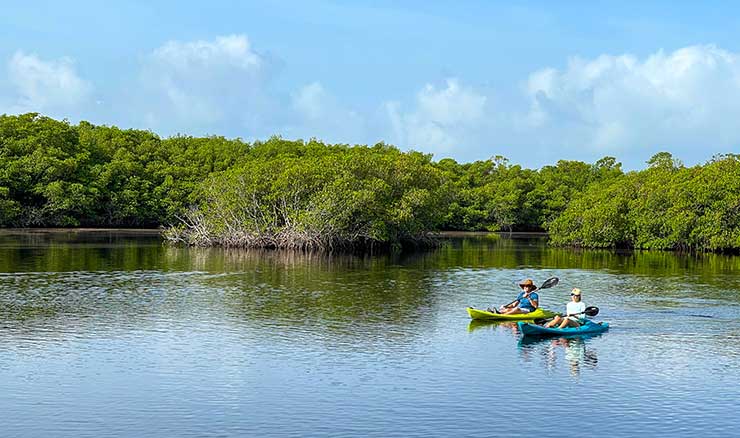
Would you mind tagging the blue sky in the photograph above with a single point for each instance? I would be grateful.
(533, 81)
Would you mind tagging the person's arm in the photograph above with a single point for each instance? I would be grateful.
(535, 301)
(515, 303)
(512, 305)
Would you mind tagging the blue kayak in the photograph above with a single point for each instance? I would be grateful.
(529, 329)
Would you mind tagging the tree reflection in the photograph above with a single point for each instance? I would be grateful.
(346, 300)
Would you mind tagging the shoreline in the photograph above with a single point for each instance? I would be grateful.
(488, 233)
(149, 231)
(51, 230)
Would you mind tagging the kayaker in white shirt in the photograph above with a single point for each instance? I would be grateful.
(573, 312)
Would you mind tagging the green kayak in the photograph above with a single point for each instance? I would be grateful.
(490, 316)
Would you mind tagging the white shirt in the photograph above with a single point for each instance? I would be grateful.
(574, 307)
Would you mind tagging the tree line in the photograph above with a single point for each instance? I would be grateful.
(308, 194)
(666, 206)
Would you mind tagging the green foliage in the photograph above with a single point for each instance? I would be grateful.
(318, 197)
(666, 206)
(56, 174)
(310, 193)
(597, 218)
(494, 195)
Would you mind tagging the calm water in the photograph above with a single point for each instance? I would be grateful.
(113, 334)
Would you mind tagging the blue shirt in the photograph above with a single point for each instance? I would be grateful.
(525, 303)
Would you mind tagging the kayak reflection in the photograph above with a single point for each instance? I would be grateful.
(508, 326)
(576, 352)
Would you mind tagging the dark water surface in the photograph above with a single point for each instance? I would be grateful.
(114, 334)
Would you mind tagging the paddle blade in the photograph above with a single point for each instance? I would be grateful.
(550, 282)
(591, 311)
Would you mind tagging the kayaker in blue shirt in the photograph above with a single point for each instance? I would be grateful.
(574, 316)
(527, 300)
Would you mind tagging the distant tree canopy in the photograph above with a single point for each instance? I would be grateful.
(667, 206)
(56, 174)
(281, 193)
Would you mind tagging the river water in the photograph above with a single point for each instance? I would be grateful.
(115, 334)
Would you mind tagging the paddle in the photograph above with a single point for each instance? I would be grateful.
(550, 282)
(590, 311)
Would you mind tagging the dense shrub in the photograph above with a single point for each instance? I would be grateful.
(318, 197)
(666, 206)
(291, 193)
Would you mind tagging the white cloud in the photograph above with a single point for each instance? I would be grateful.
(442, 118)
(686, 98)
(686, 101)
(317, 113)
(232, 50)
(609, 105)
(452, 105)
(52, 87)
(207, 84)
(224, 86)
(312, 101)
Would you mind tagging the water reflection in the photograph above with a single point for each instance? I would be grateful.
(117, 334)
(508, 327)
(573, 351)
(339, 301)
(481, 251)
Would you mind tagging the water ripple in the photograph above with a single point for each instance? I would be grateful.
(119, 339)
